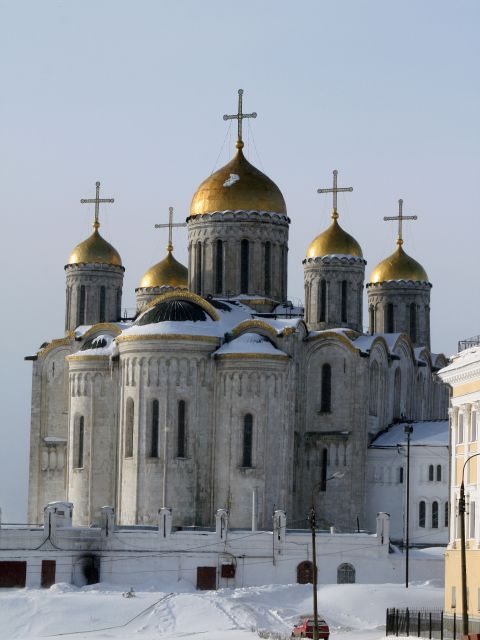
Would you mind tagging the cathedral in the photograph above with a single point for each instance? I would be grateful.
(219, 393)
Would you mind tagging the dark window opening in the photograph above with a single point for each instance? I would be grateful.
(400, 475)
(101, 315)
(372, 319)
(119, 304)
(413, 322)
(267, 268)
(80, 437)
(244, 266)
(346, 574)
(323, 470)
(434, 515)
(81, 305)
(390, 328)
(219, 267)
(323, 301)
(130, 408)
(154, 430)
(344, 301)
(439, 472)
(181, 439)
(247, 440)
(431, 473)
(445, 515)
(326, 401)
(198, 268)
(421, 514)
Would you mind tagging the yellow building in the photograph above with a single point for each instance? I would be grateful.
(463, 377)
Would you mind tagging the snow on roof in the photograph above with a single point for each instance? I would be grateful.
(433, 433)
(462, 359)
(249, 343)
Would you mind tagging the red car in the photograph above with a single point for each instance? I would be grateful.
(304, 629)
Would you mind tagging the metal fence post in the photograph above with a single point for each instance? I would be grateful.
(419, 625)
(396, 622)
(454, 625)
(441, 625)
(430, 625)
(407, 621)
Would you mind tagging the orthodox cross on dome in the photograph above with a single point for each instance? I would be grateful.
(170, 224)
(400, 219)
(97, 200)
(335, 190)
(240, 116)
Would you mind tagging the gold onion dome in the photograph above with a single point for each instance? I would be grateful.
(398, 266)
(334, 240)
(95, 250)
(167, 272)
(238, 186)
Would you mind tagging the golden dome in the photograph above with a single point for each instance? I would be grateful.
(238, 186)
(398, 266)
(334, 240)
(167, 272)
(95, 249)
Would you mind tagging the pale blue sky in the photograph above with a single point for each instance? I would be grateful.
(133, 93)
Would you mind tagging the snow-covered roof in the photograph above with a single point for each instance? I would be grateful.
(426, 433)
(250, 343)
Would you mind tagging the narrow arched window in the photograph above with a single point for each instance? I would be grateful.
(81, 305)
(244, 265)
(322, 294)
(413, 322)
(154, 429)
(101, 315)
(435, 515)
(219, 267)
(247, 440)
(431, 473)
(439, 472)
(346, 573)
(129, 415)
(323, 470)
(268, 268)
(181, 431)
(397, 394)
(372, 319)
(326, 399)
(445, 515)
(344, 300)
(374, 380)
(198, 267)
(390, 320)
(119, 304)
(79, 439)
(421, 514)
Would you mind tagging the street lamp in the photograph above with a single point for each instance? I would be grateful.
(461, 513)
(315, 488)
(408, 430)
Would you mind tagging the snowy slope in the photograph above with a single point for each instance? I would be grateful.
(352, 611)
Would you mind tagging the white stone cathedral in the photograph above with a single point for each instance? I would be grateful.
(218, 390)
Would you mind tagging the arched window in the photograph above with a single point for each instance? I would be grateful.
(431, 472)
(129, 414)
(198, 268)
(244, 265)
(323, 470)
(154, 430)
(79, 439)
(400, 475)
(397, 394)
(390, 320)
(346, 573)
(374, 390)
(421, 514)
(119, 304)
(322, 296)
(268, 268)
(371, 311)
(181, 431)
(413, 322)
(439, 472)
(305, 572)
(219, 267)
(344, 300)
(247, 440)
(101, 315)
(326, 398)
(81, 305)
(445, 515)
(435, 515)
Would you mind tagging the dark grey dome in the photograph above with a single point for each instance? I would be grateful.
(173, 311)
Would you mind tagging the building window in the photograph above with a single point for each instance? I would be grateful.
(268, 268)
(431, 473)
(421, 514)
(435, 515)
(219, 267)
(244, 265)
(154, 430)
(453, 602)
(413, 322)
(390, 320)
(400, 475)
(323, 470)
(119, 304)
(198, 268)
(81, 305)
(101, 315)
(397, 394)
(181, 431)
(247, 440)
(372, 319)
(129, 414)
(472, 519)
(439, 472)
(322, 294)
(373, 395)
(445, 515)
(326, 400)
(460, 428)
(473, 429)
(346, 573)
(79, 429)
(344, 301)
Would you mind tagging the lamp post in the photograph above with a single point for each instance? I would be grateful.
(312, 520)
(461, 513)
(408, 430)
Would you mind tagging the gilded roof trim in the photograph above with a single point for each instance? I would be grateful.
(166, 336)
(102, 326)
(247, 325)
(325, 335)
(59, 342)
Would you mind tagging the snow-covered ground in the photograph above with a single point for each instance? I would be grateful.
(100, 611)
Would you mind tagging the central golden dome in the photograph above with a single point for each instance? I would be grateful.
(238, 186)
(95, 250)
(398, 266)
(334, 240)
(167, 272)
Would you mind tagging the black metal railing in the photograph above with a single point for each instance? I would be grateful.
(427, 623)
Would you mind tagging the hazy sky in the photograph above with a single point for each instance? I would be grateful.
(133, 93)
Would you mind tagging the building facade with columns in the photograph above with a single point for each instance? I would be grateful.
(212, 394)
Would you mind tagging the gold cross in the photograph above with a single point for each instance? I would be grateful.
(97, 200)
(400, 219)
(335, 190)
(240, 116)
(170, 226)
